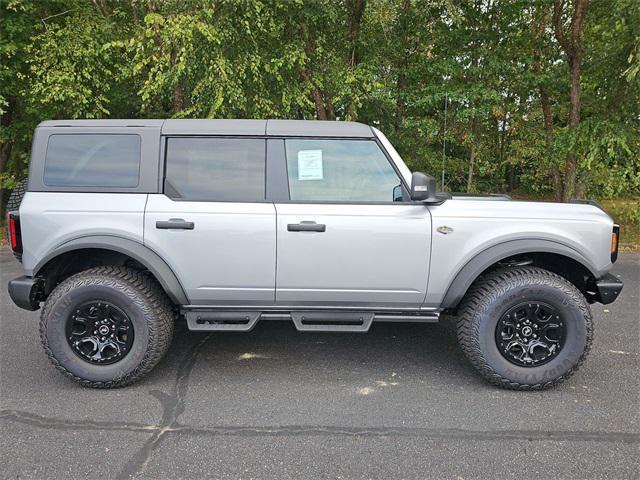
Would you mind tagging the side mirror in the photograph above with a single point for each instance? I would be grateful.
(423, 188)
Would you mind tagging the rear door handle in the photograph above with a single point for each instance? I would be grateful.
(174, 223)
(306, 227)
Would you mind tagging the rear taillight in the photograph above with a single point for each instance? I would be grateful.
(15, 236)
(615, 241)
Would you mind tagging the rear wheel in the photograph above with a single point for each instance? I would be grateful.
(525, 328)
(106, 327)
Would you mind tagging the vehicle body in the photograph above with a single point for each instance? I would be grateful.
(238, 221)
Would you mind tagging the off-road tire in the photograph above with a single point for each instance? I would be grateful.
(138, 295)
(492, 295)
(13, 204)
(15, 198)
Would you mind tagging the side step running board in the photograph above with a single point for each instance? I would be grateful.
(332, 321)
(212, 320)
(304, 321)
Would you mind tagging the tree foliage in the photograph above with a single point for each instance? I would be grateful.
(542, 96)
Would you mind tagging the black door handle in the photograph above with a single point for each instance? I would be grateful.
(306, 227)
(174, 223)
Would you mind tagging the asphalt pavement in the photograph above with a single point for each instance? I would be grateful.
(398, 402)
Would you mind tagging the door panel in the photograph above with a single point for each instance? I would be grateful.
(366, 255)
(227, 258)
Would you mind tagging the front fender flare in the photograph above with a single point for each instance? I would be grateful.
(483, 260)
(139, 252)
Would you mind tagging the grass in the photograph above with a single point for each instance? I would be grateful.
(626, 212)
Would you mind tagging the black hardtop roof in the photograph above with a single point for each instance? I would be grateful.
(276, 128)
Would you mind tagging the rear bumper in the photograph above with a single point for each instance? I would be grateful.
(25, 292)
(607, 289)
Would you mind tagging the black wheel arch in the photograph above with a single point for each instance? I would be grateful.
(101, 250)
(550, 255)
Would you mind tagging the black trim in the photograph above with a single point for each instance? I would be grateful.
(139, 252)
(276, 173)
(607, 289)
(306, 227)
(26, 292)
(174, 224)
(463, 279)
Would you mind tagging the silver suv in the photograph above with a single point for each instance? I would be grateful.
(129, 225)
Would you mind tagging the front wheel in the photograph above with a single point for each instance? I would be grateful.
(525, 328)
(106, 327)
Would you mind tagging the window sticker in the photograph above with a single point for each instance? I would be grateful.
(310, 165)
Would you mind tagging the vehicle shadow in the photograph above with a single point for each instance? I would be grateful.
(276, 347)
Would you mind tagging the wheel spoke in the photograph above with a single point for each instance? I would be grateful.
(99, 332)
(530, 334)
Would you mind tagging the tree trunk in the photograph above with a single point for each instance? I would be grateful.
(317, 99)
(178, 98)
(321, 113)
(572, 46)
(355, 18)
(556, 177)
(6, 146)
(5, 122)
(307, 75)
(401, 84)
(545, 103)
(472, 161)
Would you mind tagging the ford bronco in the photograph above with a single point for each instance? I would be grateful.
(127, 226)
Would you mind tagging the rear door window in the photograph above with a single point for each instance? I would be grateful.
(92, 160)
(215, 169)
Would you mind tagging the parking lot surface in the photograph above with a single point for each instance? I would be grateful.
(398, 402)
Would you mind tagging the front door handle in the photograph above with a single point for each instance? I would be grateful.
(174, 223)
(306, 227)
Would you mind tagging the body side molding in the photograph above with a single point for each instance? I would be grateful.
(139, 252)
(474, 267)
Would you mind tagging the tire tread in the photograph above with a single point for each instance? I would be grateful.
(488, 289)
(149, 296)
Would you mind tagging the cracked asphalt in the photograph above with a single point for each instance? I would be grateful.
(398, 402)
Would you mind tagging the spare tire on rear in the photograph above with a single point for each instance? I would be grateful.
(13, 204)
(15, 199)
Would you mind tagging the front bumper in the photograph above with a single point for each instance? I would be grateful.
(607, 289)
(26, 292)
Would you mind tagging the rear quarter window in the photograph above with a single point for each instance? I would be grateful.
(93, 160)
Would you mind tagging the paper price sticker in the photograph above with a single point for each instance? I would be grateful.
(310, 165)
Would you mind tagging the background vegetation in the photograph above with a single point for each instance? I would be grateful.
(542, 97)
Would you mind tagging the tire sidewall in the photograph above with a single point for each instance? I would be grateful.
(62, 309)
(570, 312)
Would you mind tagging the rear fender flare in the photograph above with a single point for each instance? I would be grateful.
(139, 252)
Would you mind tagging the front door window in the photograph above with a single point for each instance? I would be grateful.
(340, 171)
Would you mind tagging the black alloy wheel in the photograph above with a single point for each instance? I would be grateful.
(99, 332)
(530, 334)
